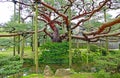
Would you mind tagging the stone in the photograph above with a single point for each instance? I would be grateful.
(63, 72)
(93, 69)
(48, 71)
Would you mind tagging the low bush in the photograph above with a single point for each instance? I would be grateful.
(29, 61)
(10, 65)
(116, 75)
(82, 56)
(77, 57)
(109, 62)
(54, 53)
(95, 48)
(102, 74)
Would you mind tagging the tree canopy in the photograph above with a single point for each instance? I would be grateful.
(55, 15)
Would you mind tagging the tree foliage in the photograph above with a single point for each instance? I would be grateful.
(55, 15)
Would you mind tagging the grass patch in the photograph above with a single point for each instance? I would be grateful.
(33, 76)
(9, 52)
(77, 75)
(82, 75)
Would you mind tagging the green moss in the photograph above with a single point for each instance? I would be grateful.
(82, 75)
(33, 76)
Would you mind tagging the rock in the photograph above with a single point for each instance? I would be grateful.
(63, 72)
(93, 69)
(48, 71)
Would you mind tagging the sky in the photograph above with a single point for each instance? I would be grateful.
(6, 11)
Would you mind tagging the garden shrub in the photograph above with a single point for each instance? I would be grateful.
(116, 75)
(108, 62)
(14, 58)
(95, 48)
(11, 68)
(118, 68)
(103, 50)
(2, 56)
(28, 61)
(10, 65)
(84, 59)
(102, 74)
(81, 56)
(5, 60)
(54, 53)
(76, 58)
(114, 51)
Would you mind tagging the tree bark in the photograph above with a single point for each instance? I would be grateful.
(55, 37)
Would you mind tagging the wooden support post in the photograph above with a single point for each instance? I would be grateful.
(36, 37)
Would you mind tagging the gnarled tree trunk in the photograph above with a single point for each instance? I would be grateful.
(55, 36)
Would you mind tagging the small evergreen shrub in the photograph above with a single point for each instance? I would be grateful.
(116, 75)
(14, 58)
(54, 53)
(10, 65)
(82, 56)
(77, 57)
(102, 74)
(28, 61)
(94, 48)
(109, 62)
